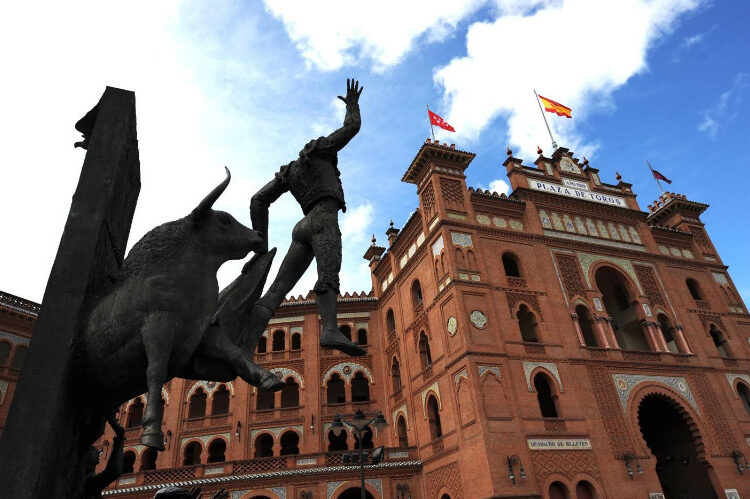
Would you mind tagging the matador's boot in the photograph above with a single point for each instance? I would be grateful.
(330, 336)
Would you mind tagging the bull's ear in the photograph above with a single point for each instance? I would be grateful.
(204, 208)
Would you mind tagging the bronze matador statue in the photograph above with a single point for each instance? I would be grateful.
(314, 181)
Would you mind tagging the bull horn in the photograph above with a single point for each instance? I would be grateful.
(205, 205)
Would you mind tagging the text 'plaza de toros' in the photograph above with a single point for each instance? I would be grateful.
(557, 342)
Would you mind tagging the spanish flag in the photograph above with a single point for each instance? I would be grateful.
(555, 107)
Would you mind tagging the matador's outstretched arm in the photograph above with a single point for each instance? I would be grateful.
(259, 204)
(352, 121)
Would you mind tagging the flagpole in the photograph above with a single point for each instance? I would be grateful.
(554, 144)
(432, 130)
(657, 180)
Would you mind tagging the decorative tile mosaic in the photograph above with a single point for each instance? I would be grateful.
(461, 374)
(284, 372)
(624, 383)
(557, 222)
(452, 325)
(587, 259)
(484, 219)
(412, 250)
(376, 484)
(434, 388)
(347, 370)
(402, 262)
(461, 239)
(433, 223)
(663, 250)
(457, 216)
(516, 225)
(602, 229)
(401, 410)
(499, 222)
(546, 222)
(203, 438)
(492, 369)
(598, 304)
(613, 231)
(420, 239)
(279, 491)
(675, 252)
(550, 366)
(720, 278)
(478, 319)
(687, 254)
(208, 386)
(438, 246)
(646, 309)
(17, 340)
(623, 233)
(592, 240)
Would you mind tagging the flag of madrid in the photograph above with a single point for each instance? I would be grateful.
(440, 122)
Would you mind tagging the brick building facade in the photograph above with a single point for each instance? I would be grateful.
(557, 342)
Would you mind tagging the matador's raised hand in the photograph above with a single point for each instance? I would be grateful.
(353, 91)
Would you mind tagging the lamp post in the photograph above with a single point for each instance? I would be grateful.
(359, 424)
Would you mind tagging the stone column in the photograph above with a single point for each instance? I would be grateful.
(611, 333)
(601, 333)
(679, 338)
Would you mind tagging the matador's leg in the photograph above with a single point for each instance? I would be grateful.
(326, 244)
(295, 263)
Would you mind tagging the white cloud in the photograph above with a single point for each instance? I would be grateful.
(576, 52)
(696, 39)
(334, 33)
(500, 186)
(725, 106)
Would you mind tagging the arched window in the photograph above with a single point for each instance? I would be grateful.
(510, 264)
(460, 259)
(192, 454)
(396, 375)
(425, 357)
(278, 343)
(558, 490)
(337, 443)
(217, 450)
(720, 342)
(19, 357)
(585, 323)
(544, 396)
(128, 462)
(366, 439)
(433, 415)
(289, 443)
(360, 388)
(619, 305)
(220, 402)
(362, 337)
(264, 400)
(527, 323)
(148, 459)
(390, 320)
(4, 352)
(335, 390)
(694, 289)
(135, 413)
(744, 393)
(346, 331)
(264, 445)
(667, 330)
(584, 490)
(403, 438)
(262, 348)
(416, 295)
(290, 393)
(296, 341)
(197, 408)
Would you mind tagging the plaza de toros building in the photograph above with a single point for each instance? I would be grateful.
(557, 342)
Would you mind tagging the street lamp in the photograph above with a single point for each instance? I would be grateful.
(359, 424)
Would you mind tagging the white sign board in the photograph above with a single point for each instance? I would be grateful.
(572, 192)
(576, 184)
(559, 443)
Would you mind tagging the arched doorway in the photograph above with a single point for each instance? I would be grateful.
(355, 493)
(680, 464)
(558, 490)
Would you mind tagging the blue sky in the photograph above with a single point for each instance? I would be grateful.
(246, 84)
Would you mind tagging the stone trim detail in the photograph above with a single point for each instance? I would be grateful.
(286, 372)
(203, 438)
(461, 374)
(347, 370)
(492, 369)
(528, 367)
(731, 377)
(402, 409)
(587, 259)
(208, 386)
(16, 339)
(625, 383)
(277, 431)
(432, 388)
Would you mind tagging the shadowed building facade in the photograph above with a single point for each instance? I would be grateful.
(557, 342)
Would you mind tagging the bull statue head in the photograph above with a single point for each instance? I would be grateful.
(221, 234)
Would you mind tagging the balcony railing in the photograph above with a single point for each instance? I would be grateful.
(277, 414)
(348, 408)
(252, 466)
(206, 422)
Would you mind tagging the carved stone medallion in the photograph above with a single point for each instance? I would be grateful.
(478, 319)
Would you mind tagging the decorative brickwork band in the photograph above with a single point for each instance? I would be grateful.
(449, 477)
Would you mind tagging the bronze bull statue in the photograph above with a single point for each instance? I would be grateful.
(164, 318)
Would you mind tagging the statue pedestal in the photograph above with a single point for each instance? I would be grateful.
(43, 450)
